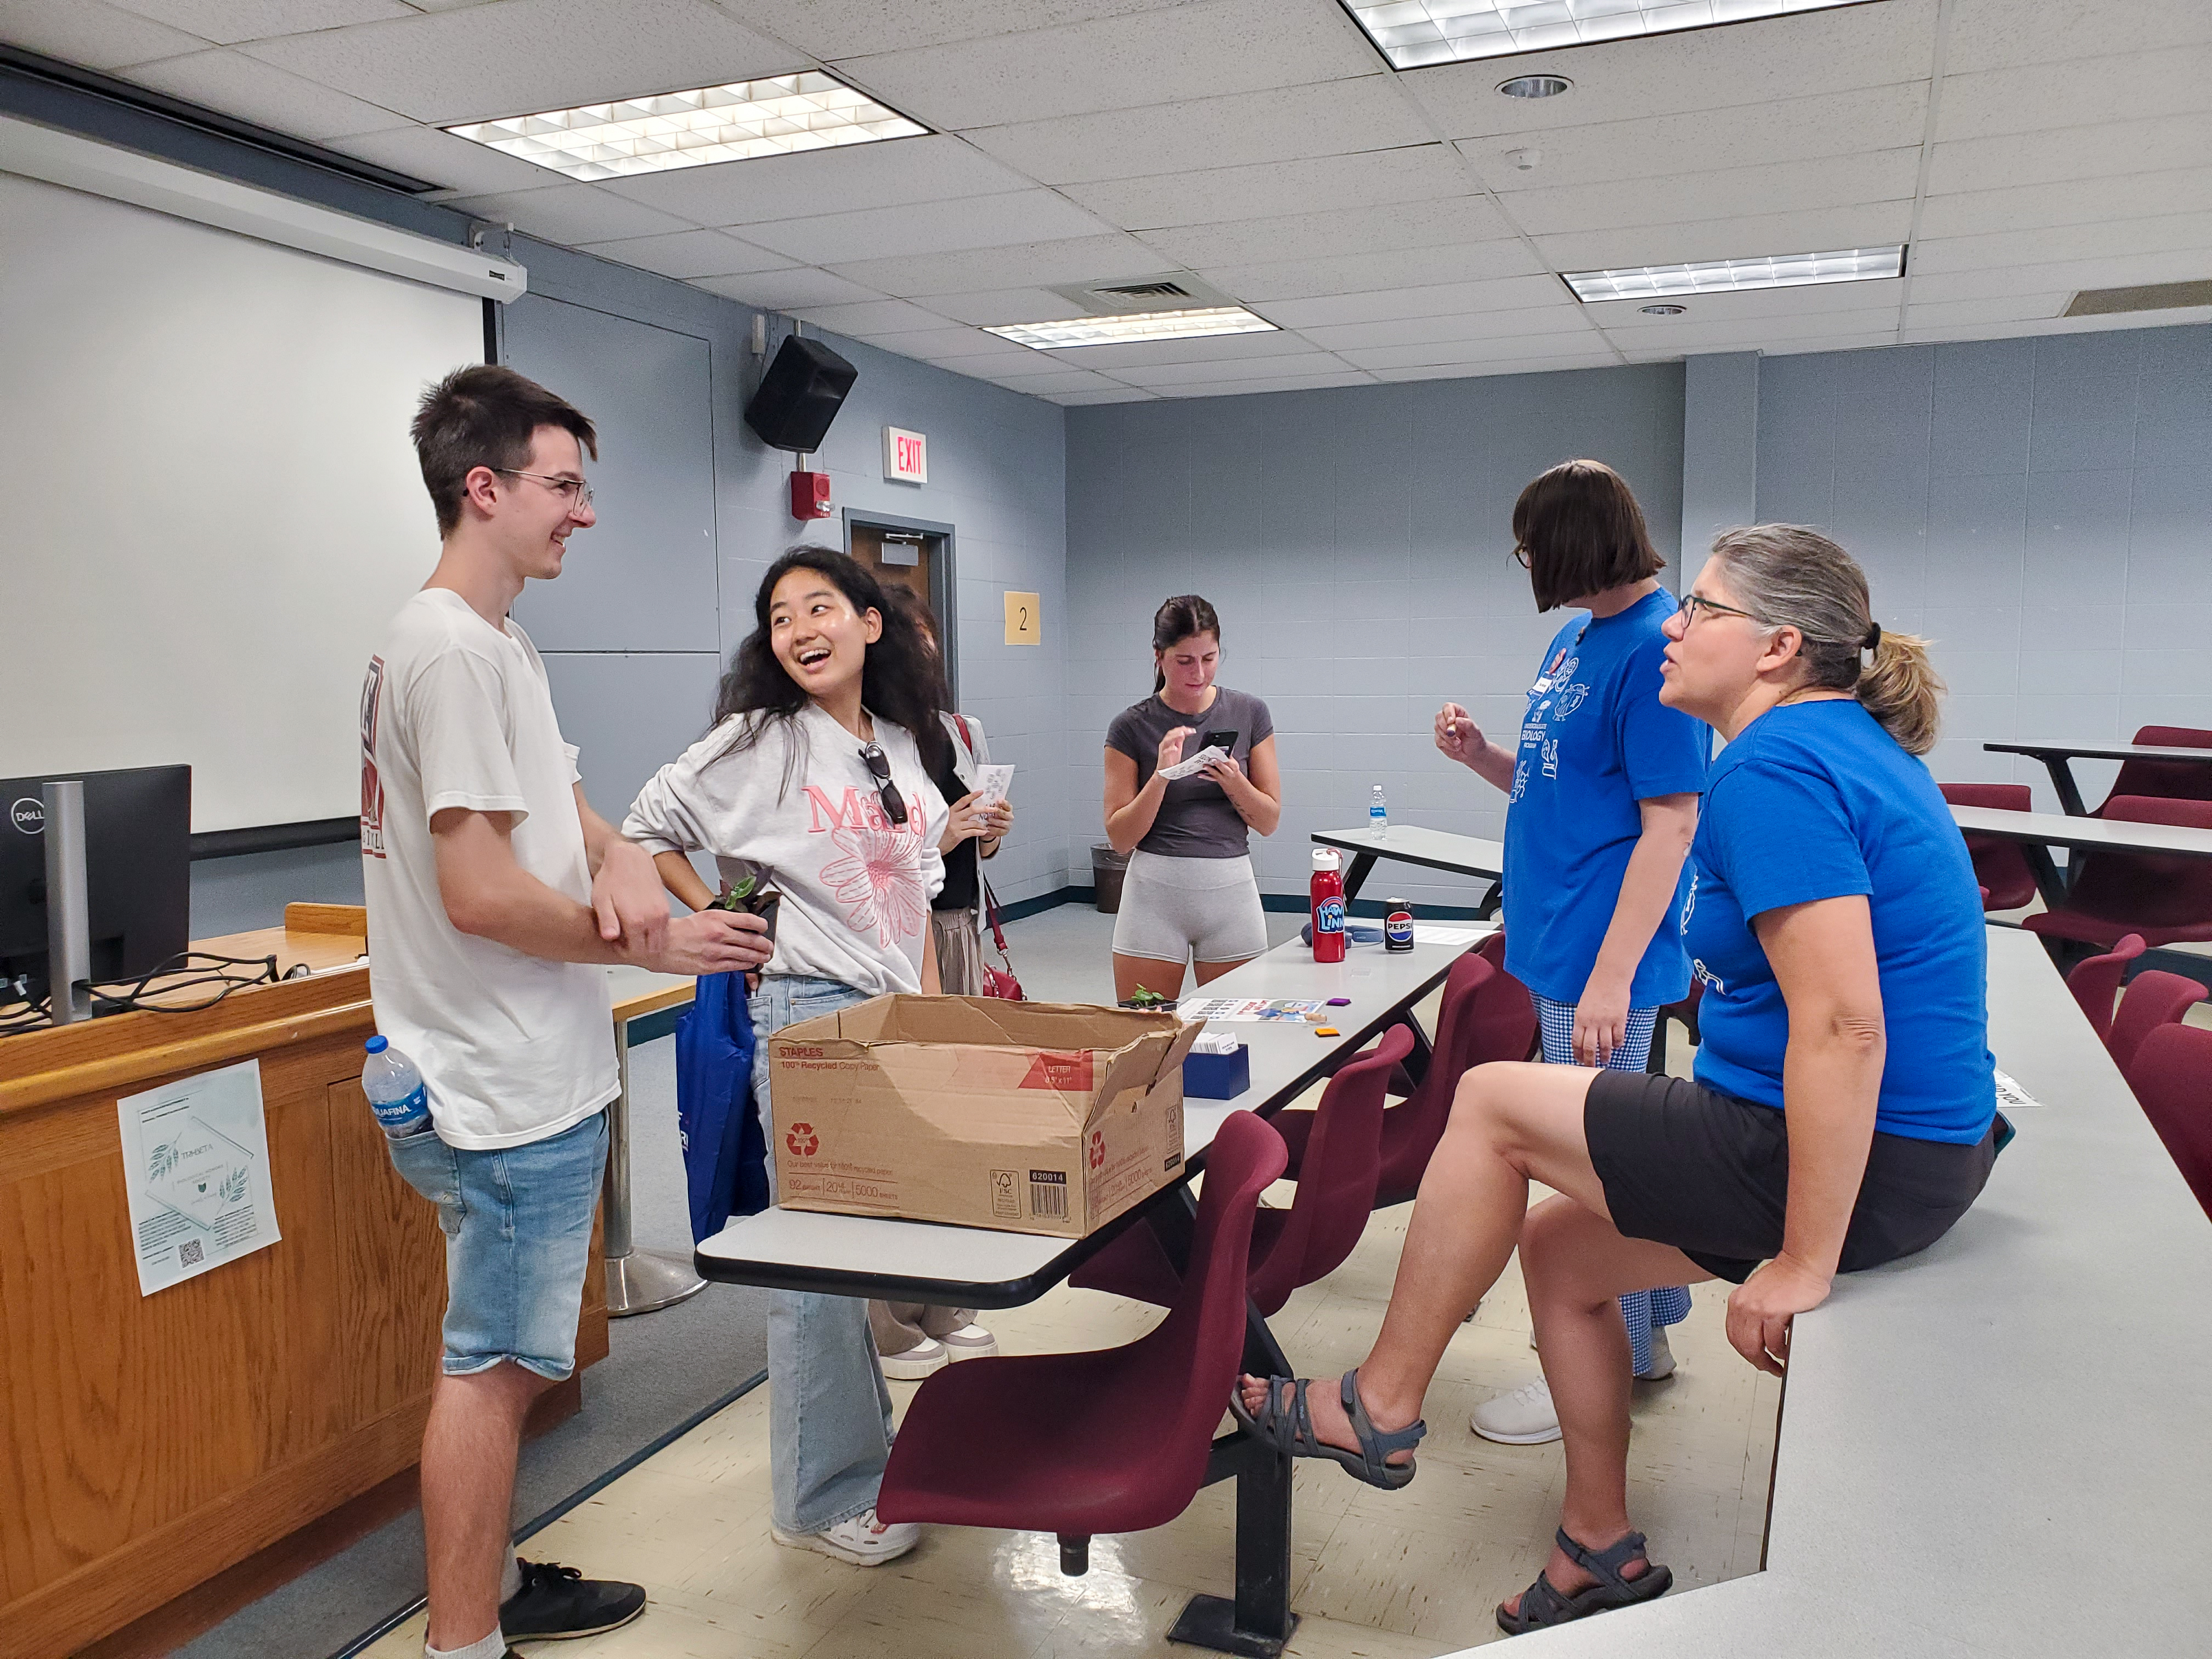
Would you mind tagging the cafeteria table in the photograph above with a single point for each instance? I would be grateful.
(646, 1005)
(2057, 759)
(1431, 849)
(899, 1260)
(2039, 832)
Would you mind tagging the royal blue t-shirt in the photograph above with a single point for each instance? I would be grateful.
(1595, 740)
(1815, 801)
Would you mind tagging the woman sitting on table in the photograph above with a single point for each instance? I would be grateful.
(1602, 800)
(815, 779)
(1842, 1114)
(1190, 890)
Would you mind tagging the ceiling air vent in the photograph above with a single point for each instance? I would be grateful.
(2155, 296)
(1175, 290)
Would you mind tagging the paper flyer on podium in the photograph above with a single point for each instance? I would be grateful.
(196, 1165)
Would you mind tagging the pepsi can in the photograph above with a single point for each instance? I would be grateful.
(1397, 925)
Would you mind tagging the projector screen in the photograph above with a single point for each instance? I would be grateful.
(211, 504)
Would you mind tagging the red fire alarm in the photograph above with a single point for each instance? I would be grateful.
(810, 494)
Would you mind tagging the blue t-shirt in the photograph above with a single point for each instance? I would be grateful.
(1595, 740)
(1814, 801)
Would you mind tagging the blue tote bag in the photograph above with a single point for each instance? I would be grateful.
(724, 1151)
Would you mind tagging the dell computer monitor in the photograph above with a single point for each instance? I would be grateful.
(137, 859)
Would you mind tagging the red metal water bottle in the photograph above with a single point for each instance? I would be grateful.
(1325, 899)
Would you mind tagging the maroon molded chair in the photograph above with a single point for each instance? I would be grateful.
(2095, 982)
(2152, 999)
(2167, 900)
(1111, 1441)
(1310, 1240)
(2172, 1076)
(2169, 779)
(2000, 866)
(1486, 1015)
(1686, 1011)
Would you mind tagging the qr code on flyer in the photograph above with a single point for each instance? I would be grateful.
(190, 1252)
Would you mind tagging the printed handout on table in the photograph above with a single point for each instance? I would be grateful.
(196, 1167)
(1250, 1009)
(2010, 1093)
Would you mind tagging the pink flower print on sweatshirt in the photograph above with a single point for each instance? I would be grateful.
(878, 881)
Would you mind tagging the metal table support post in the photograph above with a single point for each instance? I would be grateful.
(638, 1281)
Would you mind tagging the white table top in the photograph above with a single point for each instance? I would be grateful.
(978, 1267)
(2120, 751)
(1997, 1447)
(2108, 835)
(1410, 843)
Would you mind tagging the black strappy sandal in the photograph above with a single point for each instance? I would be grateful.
(1543, 1604)
(1287, 1424)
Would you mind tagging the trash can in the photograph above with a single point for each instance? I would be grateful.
(1108, 867)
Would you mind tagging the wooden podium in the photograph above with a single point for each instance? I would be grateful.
(153, 1444)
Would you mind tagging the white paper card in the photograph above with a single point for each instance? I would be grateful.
(1192, 763)
(2010, 1093)
(992, 781)
(196, 1166)
(1426, 934)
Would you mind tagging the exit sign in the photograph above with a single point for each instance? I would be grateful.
(906, 456)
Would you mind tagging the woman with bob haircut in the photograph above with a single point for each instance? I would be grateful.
(1844, 1113)
(1602, 788)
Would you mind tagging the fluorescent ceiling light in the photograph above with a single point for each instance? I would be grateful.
(1854, 265)
(736, 123)
(1413, 33)
(1142, 325)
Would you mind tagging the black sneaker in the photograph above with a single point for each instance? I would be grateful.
(558, 1603)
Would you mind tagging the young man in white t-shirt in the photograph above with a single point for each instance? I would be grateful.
(495, 894)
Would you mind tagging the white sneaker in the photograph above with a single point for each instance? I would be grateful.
(925, 1356)
(1522, 1418)
(969, 1342)
(1662, 1357)
(863, 1541)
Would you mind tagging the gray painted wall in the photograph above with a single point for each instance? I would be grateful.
(1358, 541)
(2036, 506)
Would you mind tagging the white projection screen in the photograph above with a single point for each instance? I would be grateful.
(208, 505)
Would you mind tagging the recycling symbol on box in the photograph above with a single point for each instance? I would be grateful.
(802, 1140)
(1097, 1150)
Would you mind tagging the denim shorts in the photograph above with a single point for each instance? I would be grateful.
(518, 1226)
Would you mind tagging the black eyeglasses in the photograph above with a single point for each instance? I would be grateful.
(1694, 604)
(1520, 555)
(879, 769)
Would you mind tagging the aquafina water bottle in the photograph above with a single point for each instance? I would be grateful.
(395, 1090)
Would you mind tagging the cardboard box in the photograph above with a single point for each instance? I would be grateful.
(1025, 1116)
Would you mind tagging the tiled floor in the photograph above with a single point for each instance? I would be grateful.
(1401, 1575)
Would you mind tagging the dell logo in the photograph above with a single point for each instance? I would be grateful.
(28, 815)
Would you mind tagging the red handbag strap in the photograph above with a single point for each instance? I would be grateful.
(991, 913)
(960, 724)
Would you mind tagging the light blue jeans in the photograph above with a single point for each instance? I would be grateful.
(829, 1412)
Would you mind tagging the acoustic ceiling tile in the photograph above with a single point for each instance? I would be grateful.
(1341, 231)
(1562, 317)
(1887, 175)
(1206, 195)
(254, 91)
(1441, 299)
(929, 168)
(1333, 117)
(685, 254)
(523, 55)
(846, 28)
(1302, 279)
(2109, 149)
(970, 222)
(92, 33)
(453, 164)
(780, 290)
(2074, 201)
(1104, 258)
(229, 21)
(2042, 97)
(1872, 224)
(569, 213)
(1987, 34)
(1122, 61)
(873, 320)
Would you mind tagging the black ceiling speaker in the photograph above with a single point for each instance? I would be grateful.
(799, 395)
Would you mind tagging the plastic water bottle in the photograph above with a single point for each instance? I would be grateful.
(1378, 814)
(395, 1090)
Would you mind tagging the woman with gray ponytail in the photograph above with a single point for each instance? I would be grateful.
(1842, 1114)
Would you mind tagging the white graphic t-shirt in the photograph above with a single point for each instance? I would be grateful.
(799, 807)
(454, 713)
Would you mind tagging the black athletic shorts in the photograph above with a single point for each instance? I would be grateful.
(1710, 1174)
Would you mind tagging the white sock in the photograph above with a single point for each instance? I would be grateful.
(510, 1579)
(493, 1646)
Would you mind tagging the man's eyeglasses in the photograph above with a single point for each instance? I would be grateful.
(575, 491)
(1694, 604)
(879, 769)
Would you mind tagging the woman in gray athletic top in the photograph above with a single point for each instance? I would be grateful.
(1190, 890)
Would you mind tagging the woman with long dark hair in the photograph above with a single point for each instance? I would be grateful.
(816, 778)
(1602, 789)
(1190, 892)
